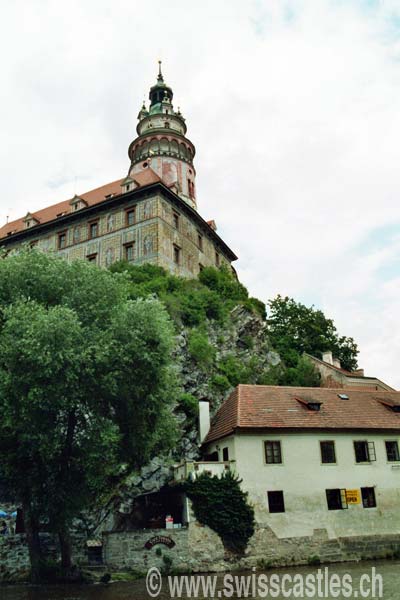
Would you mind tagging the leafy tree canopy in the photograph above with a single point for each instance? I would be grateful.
(295, 328)
(85, 383)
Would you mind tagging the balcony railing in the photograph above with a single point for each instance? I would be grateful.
(194, 469)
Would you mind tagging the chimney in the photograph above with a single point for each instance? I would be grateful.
(359, 372)
(204, 419)
(327, 357)
(336, 363)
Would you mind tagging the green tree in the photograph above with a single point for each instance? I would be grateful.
(85, 383)
(295, 328)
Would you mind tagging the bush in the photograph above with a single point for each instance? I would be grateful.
(190, 406)
(220, 503)
(200, 348)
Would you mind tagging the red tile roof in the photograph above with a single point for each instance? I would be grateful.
(92, 197)
(252, 407)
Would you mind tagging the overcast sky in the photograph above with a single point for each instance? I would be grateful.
(293, 106)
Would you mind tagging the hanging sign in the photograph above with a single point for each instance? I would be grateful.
(353, 497)
(159, 539)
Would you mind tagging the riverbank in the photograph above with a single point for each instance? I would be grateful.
(389, 570)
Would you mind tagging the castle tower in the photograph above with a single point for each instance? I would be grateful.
(162, 143)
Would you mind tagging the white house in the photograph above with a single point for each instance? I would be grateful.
(313, 458)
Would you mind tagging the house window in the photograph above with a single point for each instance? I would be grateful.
(130, 252)
(328, 452)
(177, 255)
(200, 241)
(128, 187)
(364, 451)
(273, 454)
(93, 229)
(336, 499)
(176, 220)
(392, 451)
(217, 259)
(368, 497)
(225, 454)
(62, 240)
(276, 502)
(130, 216)
(92, 258)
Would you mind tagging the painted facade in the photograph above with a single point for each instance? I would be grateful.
(150, 216)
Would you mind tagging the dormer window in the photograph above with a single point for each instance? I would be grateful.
(127, 184)
(30, 221)
(76, 204)
(314, 405)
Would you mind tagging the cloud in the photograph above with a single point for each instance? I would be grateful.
(292, 106)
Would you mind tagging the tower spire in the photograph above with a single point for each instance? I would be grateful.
(160, 77)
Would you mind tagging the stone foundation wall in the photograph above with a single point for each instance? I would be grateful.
(14, 554)
(199, 549)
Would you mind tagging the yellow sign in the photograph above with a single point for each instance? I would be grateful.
(353, 497)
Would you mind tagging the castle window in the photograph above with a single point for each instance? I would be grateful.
(93, 229)
(177, 255)
(368, 497)
(276, 502)
(201, 267)
(62, 240)
(200, 241)
(176, 220)
(392, 451)
(328, 452)
(217, 259)
(92, 258)
(130, 252)
(336, 499)
(130, 216)
(273, 452)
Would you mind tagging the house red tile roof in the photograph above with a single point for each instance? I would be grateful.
(252, 407)
(92, 197)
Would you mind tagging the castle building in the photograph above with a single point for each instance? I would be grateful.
(149, 216)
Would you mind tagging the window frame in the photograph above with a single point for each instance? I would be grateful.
(279, 442)
(200, 241)
(394, 460)
(370, 452)
(177, 253)
(91, 224)
(127, 246)
(342, 496)
(363, 498)
(269, 494)
(334, 462)
(175, 220)
(92, 258)
(61, 234)
(131, 210)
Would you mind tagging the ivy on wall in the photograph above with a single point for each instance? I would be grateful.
(220, 503)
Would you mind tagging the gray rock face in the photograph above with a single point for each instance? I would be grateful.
(240, 343)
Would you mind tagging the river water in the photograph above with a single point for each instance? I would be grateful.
(389, 570)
